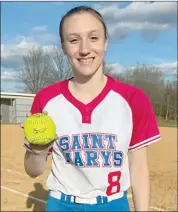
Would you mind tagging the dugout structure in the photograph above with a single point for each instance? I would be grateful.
(14, 107)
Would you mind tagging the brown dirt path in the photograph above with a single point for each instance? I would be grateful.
(16, 185)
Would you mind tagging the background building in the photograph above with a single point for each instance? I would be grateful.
(15, 106)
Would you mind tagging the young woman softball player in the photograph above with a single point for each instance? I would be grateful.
(103, 126)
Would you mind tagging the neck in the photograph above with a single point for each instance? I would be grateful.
(89, 84)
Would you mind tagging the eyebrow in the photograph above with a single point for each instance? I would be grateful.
(88, 32)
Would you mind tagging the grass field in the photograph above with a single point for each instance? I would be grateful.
(21, 193)
(168, 123)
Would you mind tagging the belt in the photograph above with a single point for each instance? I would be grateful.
(79, 200)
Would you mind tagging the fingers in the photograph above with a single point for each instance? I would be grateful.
(56, 137)
(28, 114)
(46, 112)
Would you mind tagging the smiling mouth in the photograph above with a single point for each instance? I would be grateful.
(86, 60)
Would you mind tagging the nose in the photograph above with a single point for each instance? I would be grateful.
(84, 47)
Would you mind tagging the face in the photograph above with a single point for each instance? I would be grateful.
(84, 43)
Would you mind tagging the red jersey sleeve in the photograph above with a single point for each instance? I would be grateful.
(36, 106)
(145, 127)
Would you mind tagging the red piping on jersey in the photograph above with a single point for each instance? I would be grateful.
(86, 109)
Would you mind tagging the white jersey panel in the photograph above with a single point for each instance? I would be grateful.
(94, 150)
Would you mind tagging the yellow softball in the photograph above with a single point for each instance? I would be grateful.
(39, 129)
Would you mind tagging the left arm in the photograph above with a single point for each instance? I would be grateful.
(140, 183)
(144, 133)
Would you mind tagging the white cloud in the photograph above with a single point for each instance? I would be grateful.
(149, 18)
(116, 68)
(11, 54)
(5, 75)
(168, 68)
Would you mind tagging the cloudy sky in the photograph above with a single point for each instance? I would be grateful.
(140, 32)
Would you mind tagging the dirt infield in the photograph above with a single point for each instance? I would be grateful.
(21, 193)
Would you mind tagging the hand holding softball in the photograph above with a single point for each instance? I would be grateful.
(39, 129)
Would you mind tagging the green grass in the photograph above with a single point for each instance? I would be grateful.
(169, 123)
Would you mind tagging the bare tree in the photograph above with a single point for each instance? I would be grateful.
(170, 100)
(42, 67)
(151, 80)
(60, 68)
(34, 70)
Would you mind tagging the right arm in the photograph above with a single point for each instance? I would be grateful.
(35, 159)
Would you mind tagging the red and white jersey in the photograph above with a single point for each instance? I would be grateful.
(90, 156)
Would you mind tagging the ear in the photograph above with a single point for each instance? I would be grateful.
(106, 45)
(63, 48)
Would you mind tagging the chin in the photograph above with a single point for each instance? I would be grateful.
(85, 71)
(86, 74)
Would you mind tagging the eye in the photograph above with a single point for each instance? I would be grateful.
(94, 38)
(75, 40)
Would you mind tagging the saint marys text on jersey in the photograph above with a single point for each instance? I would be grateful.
(91, 150)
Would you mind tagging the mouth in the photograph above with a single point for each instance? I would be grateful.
(86, 60)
